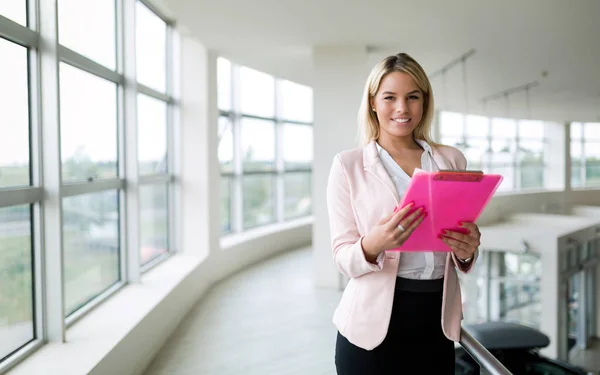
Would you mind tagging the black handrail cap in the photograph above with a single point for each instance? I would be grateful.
(502, 335)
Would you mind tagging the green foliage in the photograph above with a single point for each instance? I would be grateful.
(15, 280)
(258, 200)
(14, 176)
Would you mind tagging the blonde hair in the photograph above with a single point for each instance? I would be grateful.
(368, 125)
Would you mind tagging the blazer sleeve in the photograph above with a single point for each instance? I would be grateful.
(346, 241)
(465, 267)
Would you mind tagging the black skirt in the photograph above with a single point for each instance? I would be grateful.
(415, 342)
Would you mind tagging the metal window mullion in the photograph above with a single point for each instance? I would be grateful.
(518, 165)
(582, 164)
(18, 33)
(582, 323)
(154, 179)
(237, 198)
(73, 58)
(97, 186)
(237, 203)
(51, 172)
(130, 158)
(280, 196)
(143, 89)
(584, 176)
(255, 117)
(515, 162)
(592, 301)
(35, 147)
(121, 132)
(26, 195)
(175, 239)
(294, 122)
(156, 11)
(489, 152)
(171, 212)
(279, 188)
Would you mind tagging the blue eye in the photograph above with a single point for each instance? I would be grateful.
(414, 97)
(388, 98)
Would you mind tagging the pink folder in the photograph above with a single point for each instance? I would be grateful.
(449, 197)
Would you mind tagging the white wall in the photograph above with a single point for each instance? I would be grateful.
(557, 156)
(340, 75)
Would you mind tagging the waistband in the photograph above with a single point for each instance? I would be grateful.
(420, 286)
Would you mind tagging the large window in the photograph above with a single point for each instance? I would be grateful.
(19, 325)
(265, 148)
(155, 126)
(154, 213)
(151, 44)
(511, 148)
(90, 246)
(14, 145)
(17, 322)
(89, 136)
(258, 144)
(88, 125)
(152, 135)
(530, 154)
(80, 137)
(15, 11)
(81, 22)
(585, 154)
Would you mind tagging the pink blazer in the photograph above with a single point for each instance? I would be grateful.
(359, 194)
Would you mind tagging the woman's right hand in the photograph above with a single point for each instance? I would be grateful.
(387, 235)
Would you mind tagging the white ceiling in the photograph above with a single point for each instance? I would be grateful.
(515, 41)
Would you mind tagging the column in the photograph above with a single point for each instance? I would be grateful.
(596, 303)
(497, 271)
(340, 73)
(556, 152)
(199, 182)
(553, 320)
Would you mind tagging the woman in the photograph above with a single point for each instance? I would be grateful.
(389, 316)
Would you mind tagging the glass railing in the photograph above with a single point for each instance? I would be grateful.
(505, 287)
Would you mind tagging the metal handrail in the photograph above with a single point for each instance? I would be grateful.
(486, 360)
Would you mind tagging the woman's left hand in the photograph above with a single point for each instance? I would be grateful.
(463, 245)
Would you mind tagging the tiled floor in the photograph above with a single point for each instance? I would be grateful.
(266, 320)
(588, 359)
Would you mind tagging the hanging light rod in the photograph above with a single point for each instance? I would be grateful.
(510, 91)
(452, 63)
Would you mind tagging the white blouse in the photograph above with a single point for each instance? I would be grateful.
(414, 265)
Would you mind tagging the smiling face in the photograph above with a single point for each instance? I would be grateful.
(398, 104)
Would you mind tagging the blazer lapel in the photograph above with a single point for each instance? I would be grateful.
(440, 160)
(372, 164)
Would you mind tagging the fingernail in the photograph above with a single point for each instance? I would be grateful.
(460, 223)
(440, 237)
(395, 208)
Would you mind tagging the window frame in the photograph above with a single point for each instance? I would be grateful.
(235, 116)
(582, 168)
(47, 190)
(515, 164)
